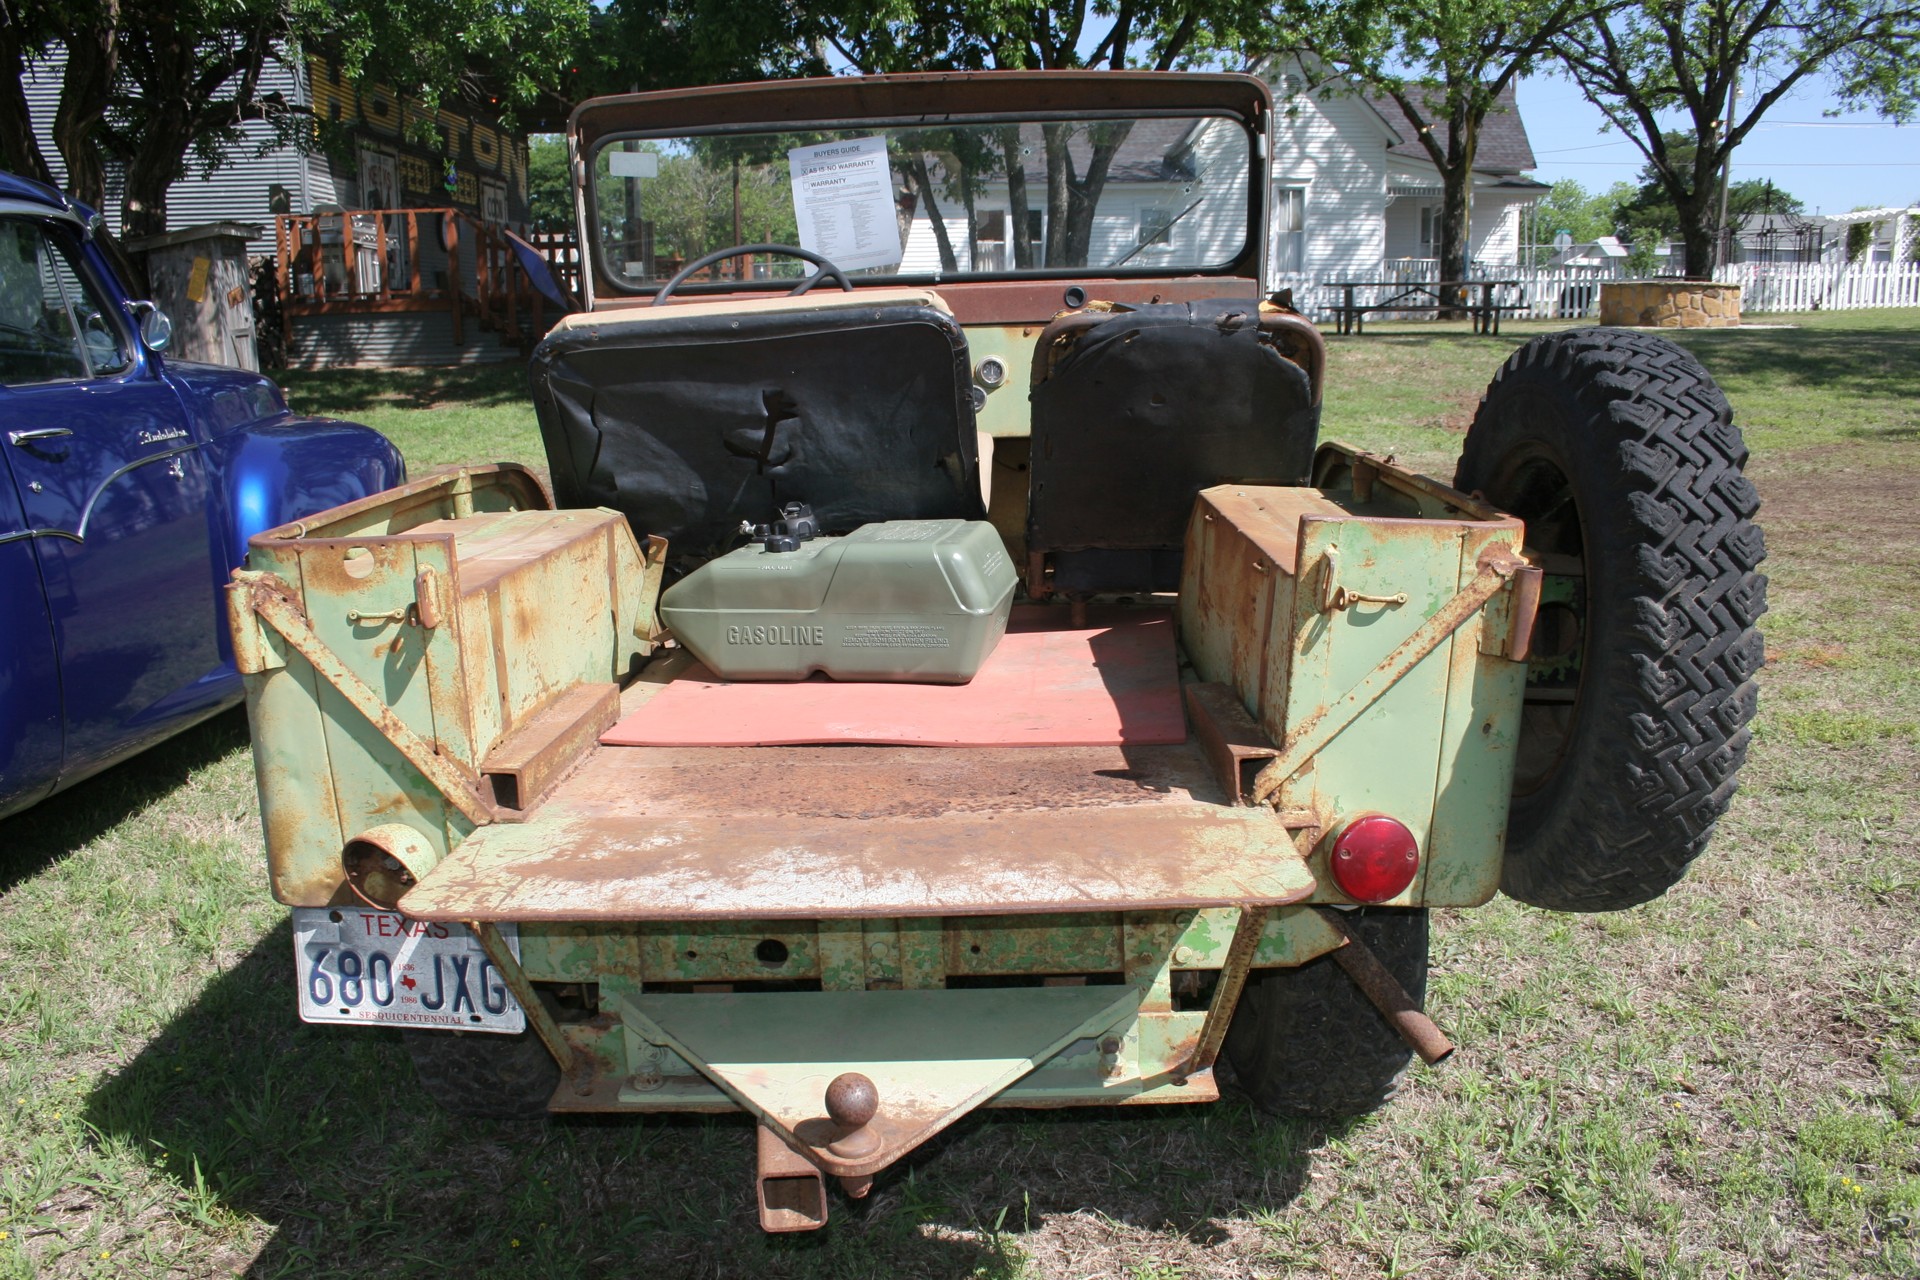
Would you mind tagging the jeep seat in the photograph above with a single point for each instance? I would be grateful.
(1137, 410)
(694, 417)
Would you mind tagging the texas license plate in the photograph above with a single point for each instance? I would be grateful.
(360, 965)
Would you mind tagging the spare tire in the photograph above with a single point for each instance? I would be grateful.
(1620, 454)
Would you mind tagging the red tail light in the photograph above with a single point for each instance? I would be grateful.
(1374, 858)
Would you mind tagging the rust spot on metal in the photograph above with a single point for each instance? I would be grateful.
(1526, 610)
(852, 1102)
(545, 745)
(791, 1193)
(1228, 735)
(897, 782)
(830, 832)
(1226, 992)
(273, 601)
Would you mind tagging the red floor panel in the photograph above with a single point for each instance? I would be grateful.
(1116, 682)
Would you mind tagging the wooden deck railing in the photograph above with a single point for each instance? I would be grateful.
(380, 261)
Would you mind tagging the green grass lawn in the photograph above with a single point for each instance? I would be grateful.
(1725, 1082)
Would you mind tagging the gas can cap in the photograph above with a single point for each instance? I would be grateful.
(796, 518)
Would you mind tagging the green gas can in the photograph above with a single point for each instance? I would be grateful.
(922, 601)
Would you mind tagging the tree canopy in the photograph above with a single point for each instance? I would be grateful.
(1649, 206)
(1582, 214)
(1650, 60)
(162, 85)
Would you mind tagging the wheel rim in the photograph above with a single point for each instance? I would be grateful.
(1533, 484)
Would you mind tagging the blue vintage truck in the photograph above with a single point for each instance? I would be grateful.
(129, 485)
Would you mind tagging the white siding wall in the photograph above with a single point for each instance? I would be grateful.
(1115, 226)
(236, 191)
(1210, 234)
(1334, 146)
(1496, 227)
(923, 247)
(1495, 240)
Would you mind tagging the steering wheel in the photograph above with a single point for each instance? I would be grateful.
(741, 250)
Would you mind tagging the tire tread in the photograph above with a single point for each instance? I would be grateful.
(1679, 691)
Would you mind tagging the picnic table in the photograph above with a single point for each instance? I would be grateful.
(1485, 309)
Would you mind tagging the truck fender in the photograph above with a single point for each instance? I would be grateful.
(287, 467)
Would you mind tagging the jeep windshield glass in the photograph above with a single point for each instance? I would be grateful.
(1144, 196)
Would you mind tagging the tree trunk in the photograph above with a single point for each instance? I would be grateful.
(1058, 164)
(1107, 140)
(19, 149)
(917, 165)
(1072, 201)
(150, 171)
(1455, 237)
(1698, 230)
(92, 56)
(1456, 209)
(973, 224)
(1017, 197)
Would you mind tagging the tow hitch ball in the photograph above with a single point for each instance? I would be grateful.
(791, 1191)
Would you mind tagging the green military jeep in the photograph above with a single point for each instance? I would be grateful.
(1260, 703)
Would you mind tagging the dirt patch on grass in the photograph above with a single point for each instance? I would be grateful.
(1858, 495)
(1458, 415)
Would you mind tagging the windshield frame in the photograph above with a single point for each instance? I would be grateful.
(854, 104)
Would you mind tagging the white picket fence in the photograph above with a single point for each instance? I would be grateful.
(1573, 293)
(1819, 286)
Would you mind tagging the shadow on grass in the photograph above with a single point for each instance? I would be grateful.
(323, 1134)
(349, 391)
(1864, 361)
(37, 838)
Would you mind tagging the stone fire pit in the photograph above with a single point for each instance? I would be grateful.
(1670, 304)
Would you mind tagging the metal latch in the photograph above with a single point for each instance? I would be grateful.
(423, 612)
(1335, 597)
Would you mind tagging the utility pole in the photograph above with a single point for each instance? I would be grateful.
(1723, 241)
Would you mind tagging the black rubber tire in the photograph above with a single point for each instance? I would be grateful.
(479, 1073)
(1307, 1042)
(1619, 790)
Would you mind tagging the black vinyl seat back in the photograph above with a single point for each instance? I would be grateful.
(1136, 411)
(691, 419)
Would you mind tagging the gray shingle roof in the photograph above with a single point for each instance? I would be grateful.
(1503, 136)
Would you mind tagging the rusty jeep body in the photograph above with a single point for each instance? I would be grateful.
(1034, 300)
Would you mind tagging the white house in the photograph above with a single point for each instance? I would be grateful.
(1175, 191)
(1355, 194)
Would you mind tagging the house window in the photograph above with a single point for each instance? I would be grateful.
(1429, 231)
(1155, 224)
(1289, 228)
